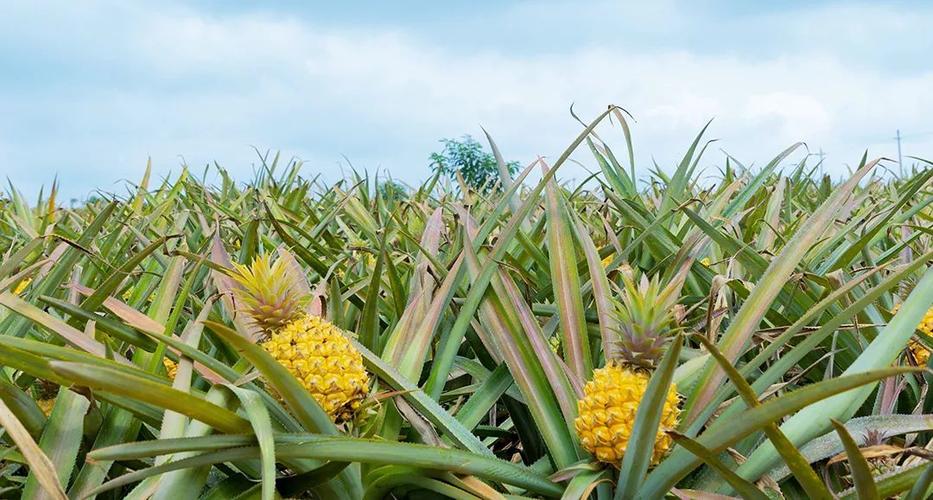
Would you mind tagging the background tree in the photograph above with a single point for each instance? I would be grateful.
(468, 158)
(390, 189)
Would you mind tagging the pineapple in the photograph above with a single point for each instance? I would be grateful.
(315, 351)
(326, 363)
(606, 414)
(171, 368)
(46, 393)
(919, 352)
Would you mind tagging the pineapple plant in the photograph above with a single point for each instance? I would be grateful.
(508, 363)
(315, 351)
(606, 413)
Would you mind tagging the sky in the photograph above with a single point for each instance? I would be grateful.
(90, 90)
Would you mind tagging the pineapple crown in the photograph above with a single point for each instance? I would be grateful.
(268, 292)
(645, 316)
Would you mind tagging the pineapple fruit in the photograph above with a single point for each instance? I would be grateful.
(171, 368)
(315, 351)
(46, 405)
(46, 393)
(327, 364)
(606, 414)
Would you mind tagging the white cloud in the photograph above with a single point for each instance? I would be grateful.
(208, 86)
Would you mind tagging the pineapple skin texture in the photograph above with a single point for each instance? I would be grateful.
(326, 363)
(46, 405)
(606, 414)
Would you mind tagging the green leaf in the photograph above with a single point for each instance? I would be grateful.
(116, 382)
(799, 466)
(736, 337)
(60, 440)
(566, 284)
(647, 420)
(741, 486)
(335, 448)
(717, 438)
(262, 427)
(40, 467)
(921, 487)
(861, 472)
(882, 351)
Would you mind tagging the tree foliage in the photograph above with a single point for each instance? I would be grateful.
(467, 157)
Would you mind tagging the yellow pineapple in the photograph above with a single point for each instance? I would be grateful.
(919, 352)
(606, 414)
(326, 363)
(314, 350)
(46, 405)
(46, 393)
(21, 286)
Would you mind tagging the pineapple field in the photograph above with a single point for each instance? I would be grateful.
(709, 330)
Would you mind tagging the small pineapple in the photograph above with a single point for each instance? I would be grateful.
(171, 368)
(885, 463)
(46, 393)
(554, 343)
(606, 414)
(314, 350)
(46, 405)
(919, 351)
(267, 293)
(326, 363)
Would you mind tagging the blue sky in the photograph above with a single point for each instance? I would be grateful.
(89, 90)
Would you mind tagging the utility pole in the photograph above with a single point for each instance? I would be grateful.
(821, 155)
(900, 161)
